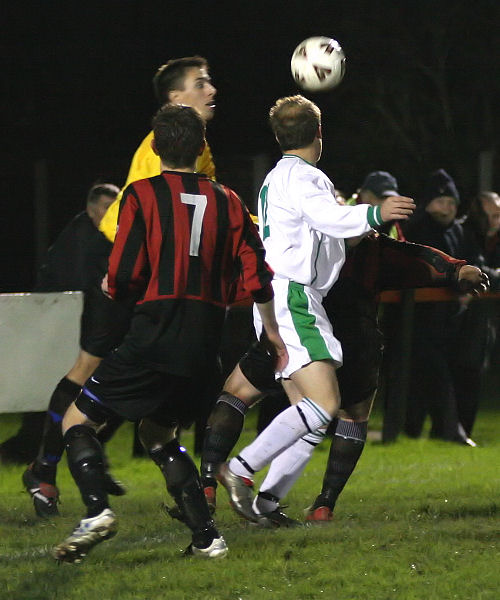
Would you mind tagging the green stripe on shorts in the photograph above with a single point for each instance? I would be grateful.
(305, 323)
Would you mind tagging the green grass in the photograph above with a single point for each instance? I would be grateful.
(418, 520)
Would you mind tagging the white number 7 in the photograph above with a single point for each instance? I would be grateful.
(200, 203)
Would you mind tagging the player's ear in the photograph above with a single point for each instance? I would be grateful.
(319, 133)
(174, 97)
(154, 148)
(202, 147)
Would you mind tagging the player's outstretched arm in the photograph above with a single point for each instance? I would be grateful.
(472, 280)
(397, 208)
(266, 311)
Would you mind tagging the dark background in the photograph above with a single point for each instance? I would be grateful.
(421, 91)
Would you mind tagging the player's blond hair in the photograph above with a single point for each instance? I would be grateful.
(295, 121)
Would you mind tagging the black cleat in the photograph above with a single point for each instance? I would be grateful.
(276, 518)
(45, 495)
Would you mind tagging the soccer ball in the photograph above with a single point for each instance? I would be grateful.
(318, 64)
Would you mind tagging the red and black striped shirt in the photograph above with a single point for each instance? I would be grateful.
(183, 242)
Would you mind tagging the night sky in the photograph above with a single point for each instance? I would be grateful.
(421, 92)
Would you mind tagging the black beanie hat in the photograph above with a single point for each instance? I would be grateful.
(440, 184)
(381, 183)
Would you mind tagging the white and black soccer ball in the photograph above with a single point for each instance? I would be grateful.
(318, 64)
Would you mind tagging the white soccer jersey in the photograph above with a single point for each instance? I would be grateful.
(302, 225)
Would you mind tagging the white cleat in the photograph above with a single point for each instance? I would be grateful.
(88, 534)
(217, 549)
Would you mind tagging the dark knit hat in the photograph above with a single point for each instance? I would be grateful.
(381, 183)
(440, 184)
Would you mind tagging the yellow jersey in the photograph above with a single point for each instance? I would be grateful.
(146, 163)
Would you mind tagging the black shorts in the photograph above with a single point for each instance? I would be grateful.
(134, 391)
(257, 365)
(103, 324)
(361, 343)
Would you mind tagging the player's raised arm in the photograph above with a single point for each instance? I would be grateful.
(397, 208)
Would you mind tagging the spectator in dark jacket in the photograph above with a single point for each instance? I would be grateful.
(433, 386)
(479, 323)
(65, 268)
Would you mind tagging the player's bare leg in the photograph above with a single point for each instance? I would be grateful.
(318, 387)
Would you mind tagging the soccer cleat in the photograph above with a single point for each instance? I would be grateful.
(114, 486)
(321, 514)
(276, 518)
(217, 549)
(45, 495)
(240, 492)
(88, 534)
(210, 495)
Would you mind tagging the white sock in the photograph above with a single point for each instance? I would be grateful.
(283, 431)
(284, 471)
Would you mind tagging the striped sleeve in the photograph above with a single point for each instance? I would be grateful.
(408, 265)
(256, 273)
(128, 263)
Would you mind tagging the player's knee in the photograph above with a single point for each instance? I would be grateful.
(176, 465)
(82, 446)
(73, 417)
(358, 413)
(154, 436)
(330, 404)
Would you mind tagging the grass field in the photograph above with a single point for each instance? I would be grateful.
(418, 520)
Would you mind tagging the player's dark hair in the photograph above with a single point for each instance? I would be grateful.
(294, 121)
(179, 132)
(171, 75)
(102, 189)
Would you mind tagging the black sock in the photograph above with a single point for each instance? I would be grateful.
(345, 450)
(184, 485)
(85, 461)
(52, 445)
(223, 430)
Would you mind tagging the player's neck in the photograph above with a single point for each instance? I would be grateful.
(308, 154)
(165, 167)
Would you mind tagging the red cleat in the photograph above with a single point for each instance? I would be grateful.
(322, 514)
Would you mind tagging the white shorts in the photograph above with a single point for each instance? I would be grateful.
(303, 325)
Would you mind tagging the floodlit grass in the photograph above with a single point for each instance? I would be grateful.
(418, 520)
